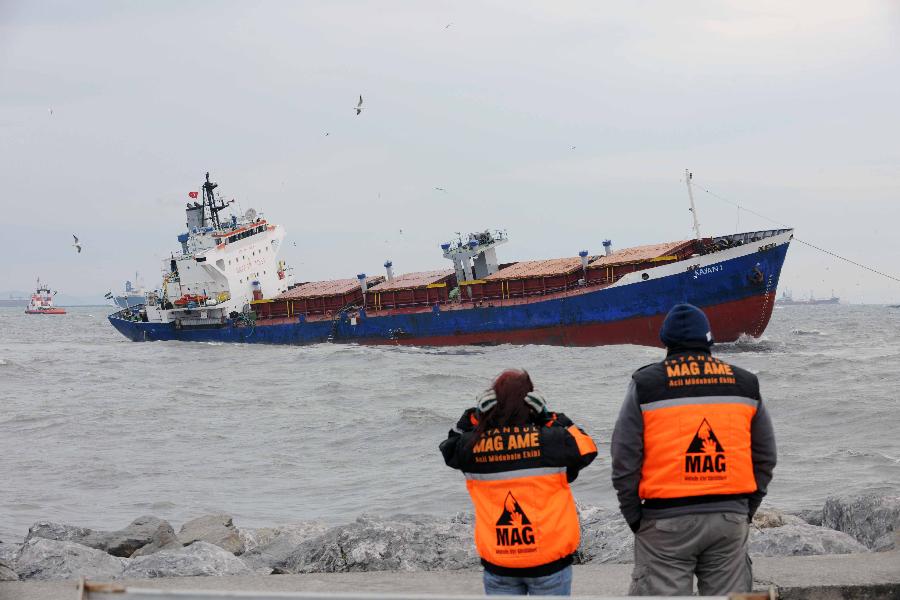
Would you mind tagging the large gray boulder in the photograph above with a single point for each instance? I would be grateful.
(801, 540)
(218, 530)
(766, 518)
(872, 519)
(605, 536)
(401, 543)
(163, 538)
(200, 558)
(45, 559)
(8, 553)
(273, 546)
(123, 542)
(813, 516)
(60, 532)
(254, 538)
(7, 572)
(139, 533)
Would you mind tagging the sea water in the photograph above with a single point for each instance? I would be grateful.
(96, 430)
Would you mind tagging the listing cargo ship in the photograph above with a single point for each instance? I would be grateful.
(228, 285)
(41, 302)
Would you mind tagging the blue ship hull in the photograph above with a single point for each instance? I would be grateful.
(738, 295)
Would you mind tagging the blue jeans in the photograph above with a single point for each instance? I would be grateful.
(557, 584)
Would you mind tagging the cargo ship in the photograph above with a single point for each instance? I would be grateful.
(132, 296)
(227, 284)
(787, 299)
(41, 302)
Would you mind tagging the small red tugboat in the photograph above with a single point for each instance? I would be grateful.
(42, 302)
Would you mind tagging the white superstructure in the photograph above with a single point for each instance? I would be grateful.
(42, 302)
(222, 266)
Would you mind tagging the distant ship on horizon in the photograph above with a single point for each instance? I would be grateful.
(14, 300)
(132, 296)
(787, 299)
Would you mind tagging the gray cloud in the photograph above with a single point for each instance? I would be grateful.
(790, 110)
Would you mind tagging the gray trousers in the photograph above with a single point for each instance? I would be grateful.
(669, 552)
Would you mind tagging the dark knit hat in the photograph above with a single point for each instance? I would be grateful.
(685, 325)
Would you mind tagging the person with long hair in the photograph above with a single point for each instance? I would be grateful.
(519, 458)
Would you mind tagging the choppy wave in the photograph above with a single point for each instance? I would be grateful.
(748, 343)
(96, 429)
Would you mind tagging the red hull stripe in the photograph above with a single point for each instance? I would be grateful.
(641, 330)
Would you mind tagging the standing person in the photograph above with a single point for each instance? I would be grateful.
(692, 455)
(518, 459)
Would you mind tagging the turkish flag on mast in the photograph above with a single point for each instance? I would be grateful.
(192, 194)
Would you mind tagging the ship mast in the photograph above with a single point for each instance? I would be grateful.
(209, 200)
(687, 178)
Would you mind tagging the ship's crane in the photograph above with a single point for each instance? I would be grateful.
(475, 258)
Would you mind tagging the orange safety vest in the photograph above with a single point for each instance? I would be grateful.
(697, 412)
(525, 514)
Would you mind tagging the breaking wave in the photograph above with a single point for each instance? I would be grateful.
(748, 343)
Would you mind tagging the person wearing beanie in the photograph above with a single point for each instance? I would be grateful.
(693, 453)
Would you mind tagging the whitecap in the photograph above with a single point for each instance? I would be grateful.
(748, 343)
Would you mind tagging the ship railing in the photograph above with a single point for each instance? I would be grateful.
(131, 313)
(723, 242)
(89, 590)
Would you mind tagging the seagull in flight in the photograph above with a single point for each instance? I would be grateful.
(327, 134)
(50, 110)
(573, 147)
(448, 25)
(76, 245)
(359, 106)
(440, 189)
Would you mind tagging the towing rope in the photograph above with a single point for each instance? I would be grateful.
(796, 239)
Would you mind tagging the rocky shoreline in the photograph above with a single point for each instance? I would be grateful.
(212, 545)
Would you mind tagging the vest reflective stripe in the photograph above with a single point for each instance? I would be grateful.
(697, 446)
(699, 400)
(524, 521)
(514, 474)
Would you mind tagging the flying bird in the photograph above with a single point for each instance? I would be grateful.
(359, 106)
(573, 147)
(50, 110)
(440, 189)
(448, 25)
(327, 134)
(76, 245)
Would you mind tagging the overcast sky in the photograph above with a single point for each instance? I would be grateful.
(789, 108)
